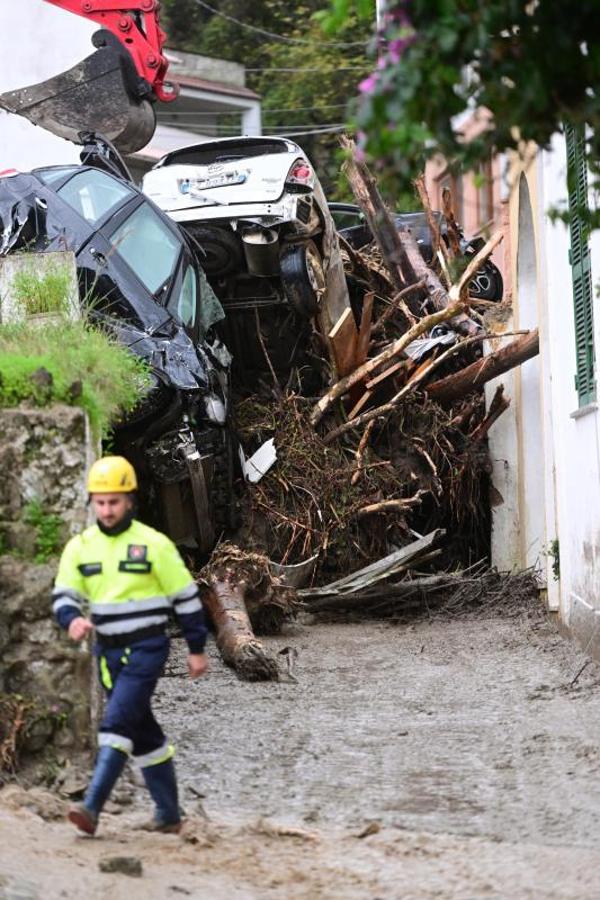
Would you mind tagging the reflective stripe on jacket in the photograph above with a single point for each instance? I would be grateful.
(131, 581)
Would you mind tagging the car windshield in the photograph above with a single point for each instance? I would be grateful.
(93, 194)
(56, 173)
(215, 152)
(148, 246)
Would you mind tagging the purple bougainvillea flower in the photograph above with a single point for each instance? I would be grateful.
(359, 150)
(368, 85)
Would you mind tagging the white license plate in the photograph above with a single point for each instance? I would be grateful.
(196, 185)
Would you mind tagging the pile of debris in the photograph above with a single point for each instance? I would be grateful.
(395, 447)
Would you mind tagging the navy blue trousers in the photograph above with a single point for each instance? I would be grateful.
(129, 676)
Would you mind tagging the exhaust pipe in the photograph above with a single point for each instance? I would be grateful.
(261, 249)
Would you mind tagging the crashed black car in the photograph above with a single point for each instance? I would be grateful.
(487, 283)
(139, 277)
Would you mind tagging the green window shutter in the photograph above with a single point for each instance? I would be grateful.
(581, 267)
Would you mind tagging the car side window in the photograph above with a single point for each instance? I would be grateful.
(93, 194)
(148, 247)
(183, 305)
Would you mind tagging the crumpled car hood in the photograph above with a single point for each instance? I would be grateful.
(173, 353)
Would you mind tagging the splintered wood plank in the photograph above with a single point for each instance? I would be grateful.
(385, 374)
(343, 339)
(360, 404)
(378, 570)
(364, 331)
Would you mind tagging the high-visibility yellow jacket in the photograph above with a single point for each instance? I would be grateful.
(130, 582)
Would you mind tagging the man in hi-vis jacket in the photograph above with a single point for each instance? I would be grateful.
(130, 577)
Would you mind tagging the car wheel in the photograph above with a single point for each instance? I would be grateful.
(221, 252)
(487, 283)
(302, 277)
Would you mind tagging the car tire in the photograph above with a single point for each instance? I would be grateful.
(487, 283)
(302, 277)
(220, 250)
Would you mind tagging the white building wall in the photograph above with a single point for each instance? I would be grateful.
(37, 41)
(545, 449)
(575, 431)
(517, 440)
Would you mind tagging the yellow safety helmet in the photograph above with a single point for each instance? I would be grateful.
(112, 475)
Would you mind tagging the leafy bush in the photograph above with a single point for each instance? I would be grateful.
(87, 368)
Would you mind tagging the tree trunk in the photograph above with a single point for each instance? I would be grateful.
(478, 373)
(237, 644)
(400, 251)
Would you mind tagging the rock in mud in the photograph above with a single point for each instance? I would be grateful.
(38, 801)
(125, 865)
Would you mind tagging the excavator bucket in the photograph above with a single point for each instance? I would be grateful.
(103, 93)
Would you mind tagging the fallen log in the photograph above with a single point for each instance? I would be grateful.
(239, 648)
(381, 224)
(462, 383)
(393, 594)
(438, 295)
(386, 408)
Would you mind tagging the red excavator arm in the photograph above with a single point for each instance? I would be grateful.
(135, 24)
(112, 91)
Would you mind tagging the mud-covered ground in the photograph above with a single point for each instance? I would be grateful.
(443, 758)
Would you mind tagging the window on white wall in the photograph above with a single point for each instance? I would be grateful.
(581, 269)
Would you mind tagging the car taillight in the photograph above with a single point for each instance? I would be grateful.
(4, 173)
(300, 177)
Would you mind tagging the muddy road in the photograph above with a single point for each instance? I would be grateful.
(441, 758)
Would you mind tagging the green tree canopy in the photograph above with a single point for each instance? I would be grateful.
(535, 65)
(306, 79)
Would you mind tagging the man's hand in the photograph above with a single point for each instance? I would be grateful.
(197, 664)
(79, 628)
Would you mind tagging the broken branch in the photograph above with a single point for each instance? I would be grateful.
(497, 406)
(344, 384)
(478, 373)
(397, 302)
(399, 505)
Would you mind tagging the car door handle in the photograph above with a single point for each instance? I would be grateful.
(99, 257)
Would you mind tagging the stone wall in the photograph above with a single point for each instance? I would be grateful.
(44, 456)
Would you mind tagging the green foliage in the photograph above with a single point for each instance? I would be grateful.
(320, 77)
(46, 293)
(184, 22)
(48, 531)
(87, 368)
(534, 65)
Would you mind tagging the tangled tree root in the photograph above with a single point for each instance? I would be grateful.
(268, 601)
